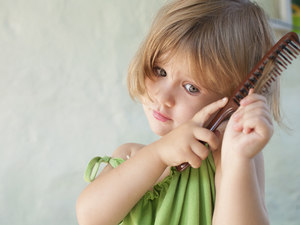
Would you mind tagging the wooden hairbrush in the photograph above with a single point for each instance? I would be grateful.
(282, 53)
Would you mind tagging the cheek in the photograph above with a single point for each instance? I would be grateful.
(149, 85)
(187, 113)
(146, 99)
(189, 109)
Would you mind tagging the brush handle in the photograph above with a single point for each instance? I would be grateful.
(226, 111)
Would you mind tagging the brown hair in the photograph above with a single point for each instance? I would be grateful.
(223, 40)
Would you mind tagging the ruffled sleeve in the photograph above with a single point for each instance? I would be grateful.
(93, 166)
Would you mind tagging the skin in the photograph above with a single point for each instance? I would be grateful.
(178, 111)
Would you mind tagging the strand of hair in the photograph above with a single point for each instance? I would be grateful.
(277, 66)
(272, 78)
(260, 72)
(273, 72)
(275, 69)
(271, 57)
(266, 61)
(279, 56)
(280, 61)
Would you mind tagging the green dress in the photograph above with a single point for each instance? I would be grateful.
(182, 198)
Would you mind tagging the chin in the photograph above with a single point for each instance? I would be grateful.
(159, 130)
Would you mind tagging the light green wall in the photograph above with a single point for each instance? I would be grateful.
(63, 100)
(270, 6)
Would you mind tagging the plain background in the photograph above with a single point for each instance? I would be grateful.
(63, 100)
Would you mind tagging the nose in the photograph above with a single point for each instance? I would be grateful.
(165, 94)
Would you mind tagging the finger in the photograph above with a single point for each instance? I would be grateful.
(257, 112)
(252, 98)
(199, 149)
(251, 91)
(255, 109)
(248, 114)
(206, 136)
(192, 158)
(195, 162)
(260, 124)
(205, 113)
(255, 106)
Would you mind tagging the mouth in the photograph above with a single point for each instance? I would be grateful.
(157, 115)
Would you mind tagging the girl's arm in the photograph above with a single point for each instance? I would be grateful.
(240, 167)
(110, 197)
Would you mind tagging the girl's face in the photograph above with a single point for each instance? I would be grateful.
(176, 98)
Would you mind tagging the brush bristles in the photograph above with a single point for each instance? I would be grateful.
(283, 55)
(272, 67)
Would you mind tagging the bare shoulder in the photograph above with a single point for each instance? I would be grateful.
(127, 150)
(123, 152)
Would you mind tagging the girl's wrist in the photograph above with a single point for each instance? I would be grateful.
(154, 156)
(235, 160)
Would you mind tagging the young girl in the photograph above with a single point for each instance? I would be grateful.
(195, 55)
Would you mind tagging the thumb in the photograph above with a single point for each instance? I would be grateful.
(205, 113)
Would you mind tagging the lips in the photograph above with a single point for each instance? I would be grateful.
(157, 115)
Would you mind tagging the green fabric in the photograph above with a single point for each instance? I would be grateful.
(93, 166)
(182, 198)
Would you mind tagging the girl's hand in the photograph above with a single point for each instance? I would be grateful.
(182, 144)
(250, 128)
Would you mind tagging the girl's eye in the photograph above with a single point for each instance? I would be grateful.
(191, 88)
(160, 72)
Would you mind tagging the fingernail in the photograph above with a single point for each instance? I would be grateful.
(224, 99)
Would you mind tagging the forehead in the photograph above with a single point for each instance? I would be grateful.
(183, 61)
(175, 59)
